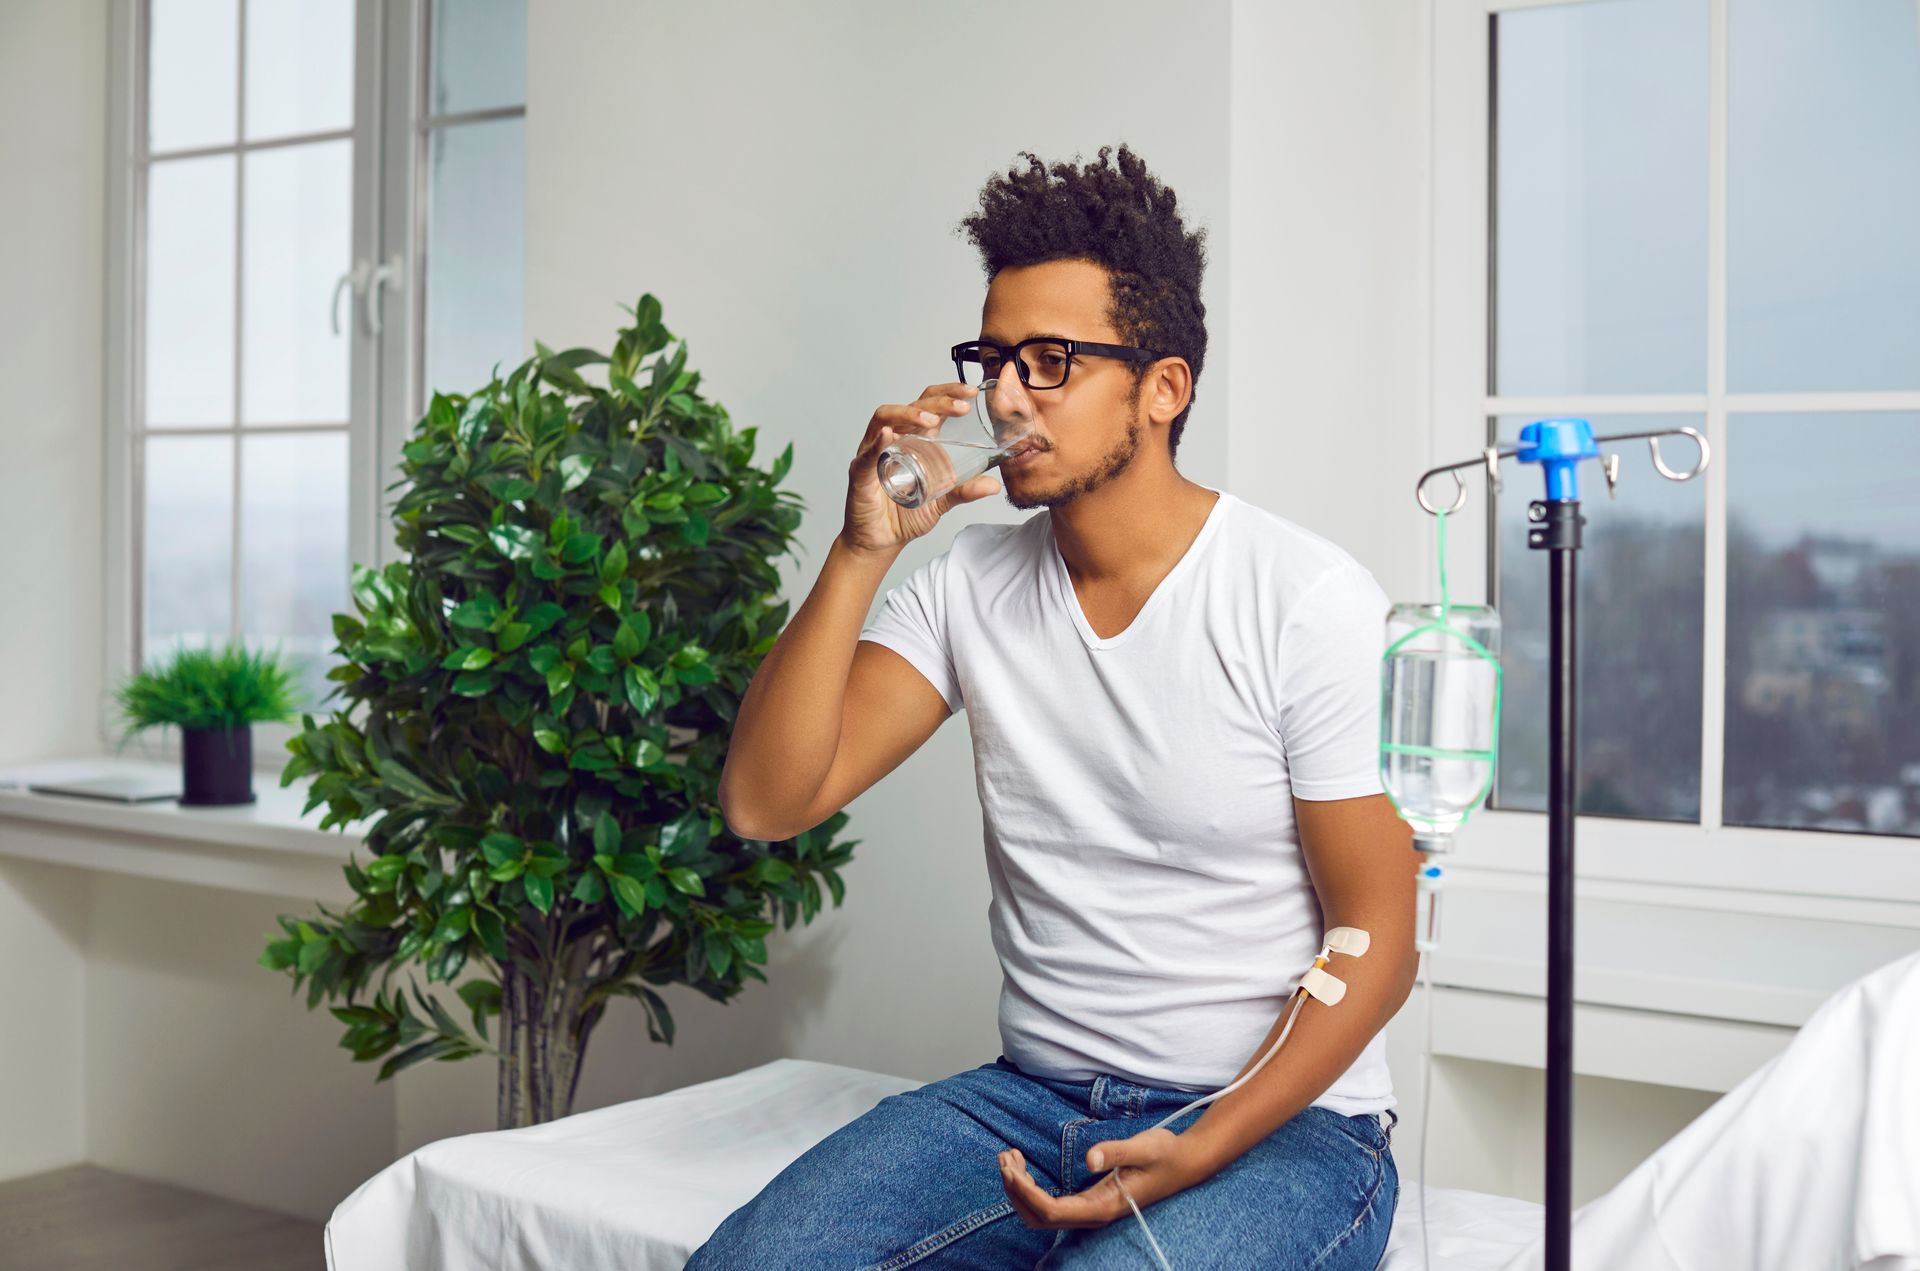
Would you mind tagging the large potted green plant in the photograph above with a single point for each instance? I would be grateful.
(536, 708)
(214, 697)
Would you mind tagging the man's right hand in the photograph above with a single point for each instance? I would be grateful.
(875, 524)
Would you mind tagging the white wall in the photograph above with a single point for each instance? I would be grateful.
(1328, 302)
(53, 107)
(53, 148)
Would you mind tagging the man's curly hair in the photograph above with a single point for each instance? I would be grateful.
(1121, 218)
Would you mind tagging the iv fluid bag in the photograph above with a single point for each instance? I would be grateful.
(1440, 716)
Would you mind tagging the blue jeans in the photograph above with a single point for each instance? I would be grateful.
(915, 1182)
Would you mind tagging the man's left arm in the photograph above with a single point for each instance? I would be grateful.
(1362, 861)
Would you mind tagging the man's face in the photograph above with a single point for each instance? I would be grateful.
(1090, 429)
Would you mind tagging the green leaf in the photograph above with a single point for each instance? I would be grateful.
(542, 616)
(476, 683)
(614, 567)
(426, 1050)
(387, 868)
(493, 936)
(610, 596)
(559, 678)
(514, 635)
(695, 531)
(606, 834)
(647, 753)
(591, 758)
(515, 542)
(469, 658)
(642, 626)
(719, 951)
(407, 782)
(642, 689)
(477, 613)
(453, 924)
(590, 890)
(629, 895)
(685, 835)
(574, 469)
(539, 891)
(314, 955)
(698, 673)
(706, 492)
(499, 848)
(509, 489)
(550, 741)
(579, 547)
(626, 644)
(686, 880)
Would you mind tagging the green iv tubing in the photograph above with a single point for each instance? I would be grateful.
(1428, 882)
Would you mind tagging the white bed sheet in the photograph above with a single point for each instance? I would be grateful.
(1811, 1164)
(639, 1186)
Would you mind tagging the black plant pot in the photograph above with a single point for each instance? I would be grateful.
(218, 765)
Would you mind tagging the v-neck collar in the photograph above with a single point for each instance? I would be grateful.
(1071, 599)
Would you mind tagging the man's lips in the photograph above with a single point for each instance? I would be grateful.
(1022, 454)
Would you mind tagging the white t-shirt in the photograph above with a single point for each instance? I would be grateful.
(1151, 908)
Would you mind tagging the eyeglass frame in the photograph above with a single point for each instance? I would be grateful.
(1011, 352)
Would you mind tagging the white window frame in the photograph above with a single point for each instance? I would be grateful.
(1846, 877)
(384, 312)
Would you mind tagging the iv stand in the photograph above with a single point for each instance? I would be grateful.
(1559, 446)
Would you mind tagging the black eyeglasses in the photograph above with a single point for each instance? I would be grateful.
(1043, 362)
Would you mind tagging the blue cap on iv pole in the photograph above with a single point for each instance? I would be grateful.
(1559, 446)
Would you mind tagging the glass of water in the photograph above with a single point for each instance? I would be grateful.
(919, 468)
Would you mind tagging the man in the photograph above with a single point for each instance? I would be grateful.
(1172, 696)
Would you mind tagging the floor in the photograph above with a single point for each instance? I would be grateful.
(86, 1218)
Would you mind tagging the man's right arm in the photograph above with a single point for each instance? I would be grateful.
(827, 714)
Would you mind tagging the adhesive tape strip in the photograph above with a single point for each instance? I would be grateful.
(1326, 988)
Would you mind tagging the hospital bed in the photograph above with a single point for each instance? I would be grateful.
(1812, 1163)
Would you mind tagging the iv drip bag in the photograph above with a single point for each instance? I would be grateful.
(1439, 715)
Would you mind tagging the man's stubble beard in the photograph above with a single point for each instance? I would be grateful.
(1112, 465)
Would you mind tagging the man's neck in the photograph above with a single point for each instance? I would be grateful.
(1133, 529)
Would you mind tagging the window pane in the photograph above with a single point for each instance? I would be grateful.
(299, 240)
(1823, 192)
(293, 548)
(193, 68)
(476, 225)
(187, 581)
(1601, 198)
(299, 66)
(479, 55)
(189, 282)
(1642, 595)
(1823, 623)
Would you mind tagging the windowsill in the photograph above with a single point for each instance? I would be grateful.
(1663, 957)
(268, 846)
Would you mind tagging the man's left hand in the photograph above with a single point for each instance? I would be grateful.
(1153, 1164)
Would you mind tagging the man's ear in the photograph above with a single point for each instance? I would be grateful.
(1169, 388)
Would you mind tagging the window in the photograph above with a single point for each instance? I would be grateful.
(1656, 213)
(318, 216)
